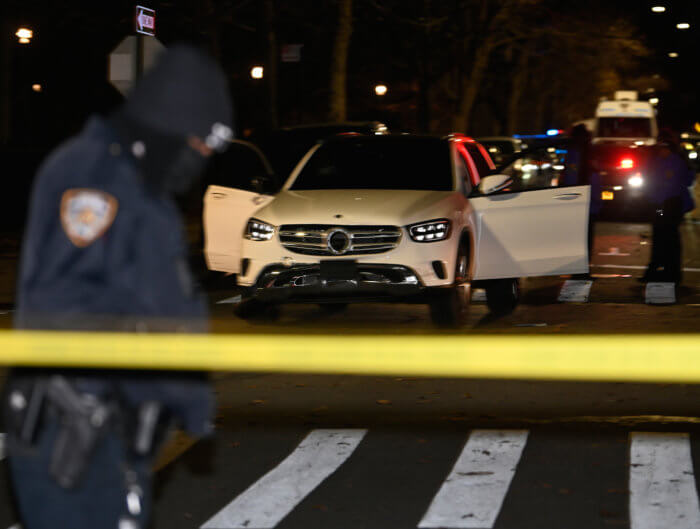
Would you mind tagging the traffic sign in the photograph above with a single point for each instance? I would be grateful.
(126, 62)
(145, 21)
(291, 52)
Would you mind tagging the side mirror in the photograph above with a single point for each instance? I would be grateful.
(260, 183)
(492, 184)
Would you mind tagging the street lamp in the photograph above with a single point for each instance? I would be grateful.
(24, 35)
(37, 87)
(257, 72)
(380, 89)
(654, 100)
(683, 25)
(658, 9)
(673, 55)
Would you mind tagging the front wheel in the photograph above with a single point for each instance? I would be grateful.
(450, 306)
(502, 296)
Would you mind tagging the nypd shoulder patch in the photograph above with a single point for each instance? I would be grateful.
(86, 214)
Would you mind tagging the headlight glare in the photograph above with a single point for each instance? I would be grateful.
(259, 231)
(636, 181)
(431, 231)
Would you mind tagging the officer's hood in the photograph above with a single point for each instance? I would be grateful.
(184, 96)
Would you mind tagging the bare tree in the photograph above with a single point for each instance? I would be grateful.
(272, 58)
(339, 63)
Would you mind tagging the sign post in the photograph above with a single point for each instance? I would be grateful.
(136, 53)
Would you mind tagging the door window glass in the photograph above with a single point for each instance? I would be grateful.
(540, 168)
(238, 167)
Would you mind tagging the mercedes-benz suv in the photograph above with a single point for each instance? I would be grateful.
(407, 219)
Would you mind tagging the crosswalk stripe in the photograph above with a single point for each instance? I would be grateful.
(662, 484)
(265, 503)
(473, 493)
(575, 291)
(660, 293)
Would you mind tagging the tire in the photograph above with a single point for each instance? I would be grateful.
(502, 296)
(450, 306)
(257, 311)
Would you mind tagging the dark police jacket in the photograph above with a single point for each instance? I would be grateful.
(670, 178)
(104, 252)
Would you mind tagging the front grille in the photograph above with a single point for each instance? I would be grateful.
(312, 239)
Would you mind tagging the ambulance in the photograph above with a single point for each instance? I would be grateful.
(623, 129)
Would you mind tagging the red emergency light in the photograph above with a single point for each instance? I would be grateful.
(626, 163)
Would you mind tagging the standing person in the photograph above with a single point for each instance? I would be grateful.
(669, 178)
(104, 251)
(581, 169)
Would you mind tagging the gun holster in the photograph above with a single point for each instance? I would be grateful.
(81, 418)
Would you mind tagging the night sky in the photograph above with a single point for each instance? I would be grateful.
(68, 57)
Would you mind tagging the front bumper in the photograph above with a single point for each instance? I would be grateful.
(330, 281)
(261, 256)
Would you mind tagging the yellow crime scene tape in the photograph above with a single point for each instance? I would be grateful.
(623, 358)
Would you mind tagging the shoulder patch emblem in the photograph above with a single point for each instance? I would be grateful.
(86, 214)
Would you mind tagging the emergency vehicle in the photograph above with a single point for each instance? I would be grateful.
(622, 129)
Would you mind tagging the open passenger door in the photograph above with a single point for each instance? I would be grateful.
(531, 227)
(531, 233)
(238, 182)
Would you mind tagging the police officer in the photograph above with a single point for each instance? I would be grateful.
(582, 169)
(104, 250)
(669, 178)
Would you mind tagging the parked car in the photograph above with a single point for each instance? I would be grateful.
(406, 219)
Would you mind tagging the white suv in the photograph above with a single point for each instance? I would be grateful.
(407, 219)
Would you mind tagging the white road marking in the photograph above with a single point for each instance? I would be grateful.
(662, 484)
(575, 291)
(472, 495)
(233, 300)
(638, 267)
(2, 446)
(478, 295)
(660, 293)
(267, 501)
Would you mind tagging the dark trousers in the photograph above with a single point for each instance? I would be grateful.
(98, 501)
(592, 219)
(665, 264)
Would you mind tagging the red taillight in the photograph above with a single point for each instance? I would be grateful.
(626, 163)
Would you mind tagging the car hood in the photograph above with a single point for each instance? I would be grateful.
(357, 207)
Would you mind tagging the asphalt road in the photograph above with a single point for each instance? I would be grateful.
(294, 451)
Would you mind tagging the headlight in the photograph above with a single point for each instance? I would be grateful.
(259, 231)
(636, 181)
(434, 230)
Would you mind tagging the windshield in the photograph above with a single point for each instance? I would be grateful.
(624, 128)
(378, 163)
